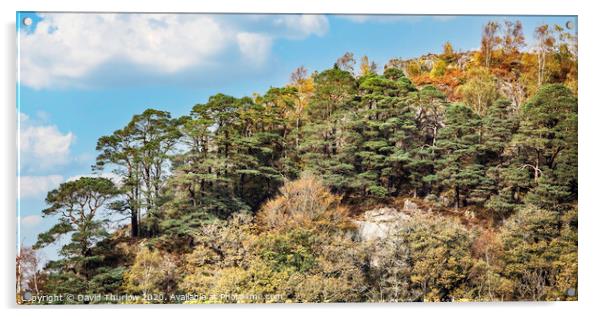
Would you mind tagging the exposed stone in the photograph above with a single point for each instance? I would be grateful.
(380, 223)
(409, 205)
(463, 60)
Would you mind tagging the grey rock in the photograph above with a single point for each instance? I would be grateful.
(380, 223)
(409, 205)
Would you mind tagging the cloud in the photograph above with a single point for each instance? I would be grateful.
(377, 18)
(37, 186)
(301, 26)
(31, 221)
(41, 145)
(254, 47)
(112, 176)
(70, 49)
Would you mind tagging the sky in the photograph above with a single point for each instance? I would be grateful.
(84, 75)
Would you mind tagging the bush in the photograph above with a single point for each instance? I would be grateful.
(305, 202)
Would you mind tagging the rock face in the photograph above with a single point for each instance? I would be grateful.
(380, 223)
(408, 205)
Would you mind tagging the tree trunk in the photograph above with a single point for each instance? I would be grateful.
(134, 222)
(457, 199)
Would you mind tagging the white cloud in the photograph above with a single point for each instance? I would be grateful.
(42, 145)
(31, 221)
(67, 46)
(303, 25)
(254, 46)
(64, 48)
(37, 186)
(364, 18)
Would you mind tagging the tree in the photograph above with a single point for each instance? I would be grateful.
(305, 89)
(448, 55)
(489, 41)
(299, 75)
(78, 205)
(155, 133)
(205, 180)
(513, 39)
(120, 150)
(367, 67)
(545, 43)
(438, 256)
(438, 69)
(480, 91)
(429, 104)
(380, 135)
(546, 143)
(27, 272)
(533, 253)
(499, 125)
(139, 154)
(304, 202)
(512, 183)
(333, 98)
(457, 167)
(346, 62)
(333, 89)
(151, 274)
(485, 279)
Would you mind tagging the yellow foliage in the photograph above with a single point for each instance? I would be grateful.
(305, 202)
(151, 273)
(438, 69)
(413, 68)
(480, 91)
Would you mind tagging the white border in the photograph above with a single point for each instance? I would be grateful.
(590, 117)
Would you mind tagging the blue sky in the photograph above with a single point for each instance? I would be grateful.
(84, 75)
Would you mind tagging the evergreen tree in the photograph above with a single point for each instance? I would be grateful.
(121, 151)
(536, 252)
(547, 146)
(329, 107)
(78, 205)
(511, 183)
(458, 169)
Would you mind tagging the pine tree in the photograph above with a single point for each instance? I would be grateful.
(329, 109)
(78, 205)
(547, 146)
(458, 169)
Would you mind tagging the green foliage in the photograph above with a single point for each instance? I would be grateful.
(438, 68)
(547, 144)
(438, 252)
(537, 255)
(78, 205)
(458, 169)
(256, 198)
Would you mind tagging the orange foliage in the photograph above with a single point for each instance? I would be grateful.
(305, 202)
(447, 83)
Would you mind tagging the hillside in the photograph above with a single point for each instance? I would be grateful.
(452, 176)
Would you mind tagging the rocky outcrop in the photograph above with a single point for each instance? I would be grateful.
(410, 206)
(380, 223)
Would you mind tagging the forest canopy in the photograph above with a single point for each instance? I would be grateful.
(263, 198)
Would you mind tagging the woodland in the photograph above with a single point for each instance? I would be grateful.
(259, 199)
